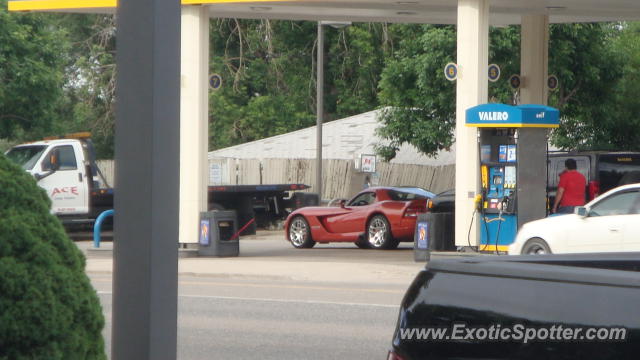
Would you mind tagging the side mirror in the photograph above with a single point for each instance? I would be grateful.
(581, 211)
(343, 203)
(50, 165)
(53, 160)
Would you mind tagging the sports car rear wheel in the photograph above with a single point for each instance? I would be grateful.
(300, 233)
(379, 233)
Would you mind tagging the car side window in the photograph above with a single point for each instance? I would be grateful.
(66, 158)
(618, 204)
(403, 196)
(363, 199)
(635, 207)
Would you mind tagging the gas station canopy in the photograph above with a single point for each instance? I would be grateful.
(503, 12)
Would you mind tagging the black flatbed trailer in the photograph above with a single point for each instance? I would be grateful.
(268, 204)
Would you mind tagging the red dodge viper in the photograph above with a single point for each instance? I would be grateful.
(378, 218)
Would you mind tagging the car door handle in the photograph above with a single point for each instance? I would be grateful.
(80, 177)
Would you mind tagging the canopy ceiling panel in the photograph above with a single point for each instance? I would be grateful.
(503, 12)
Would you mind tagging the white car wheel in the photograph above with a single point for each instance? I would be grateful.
(536, 246)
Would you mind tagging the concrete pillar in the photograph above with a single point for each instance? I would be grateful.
(194, 115)
(471, 90)
(534, 52)
(145, 256)
(532, 142)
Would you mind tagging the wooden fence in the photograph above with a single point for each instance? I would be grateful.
(340, 178)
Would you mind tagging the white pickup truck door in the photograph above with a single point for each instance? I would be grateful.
(67, 187)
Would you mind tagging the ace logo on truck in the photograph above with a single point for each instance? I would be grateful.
(71, 190)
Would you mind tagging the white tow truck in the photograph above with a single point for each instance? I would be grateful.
(65, 168)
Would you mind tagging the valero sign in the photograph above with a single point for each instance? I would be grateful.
(500, 115)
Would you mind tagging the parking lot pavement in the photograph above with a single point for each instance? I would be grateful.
(269, 255)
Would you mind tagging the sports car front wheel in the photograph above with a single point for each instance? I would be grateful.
(300, 233)
(379, 233)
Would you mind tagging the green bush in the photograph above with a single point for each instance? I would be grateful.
(48, 308)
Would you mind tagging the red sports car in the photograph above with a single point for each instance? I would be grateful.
(378, 217)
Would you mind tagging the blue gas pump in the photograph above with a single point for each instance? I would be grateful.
(512, 141)
(499, 220)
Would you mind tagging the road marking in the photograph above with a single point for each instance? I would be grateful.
(275, 286)
(315, 302)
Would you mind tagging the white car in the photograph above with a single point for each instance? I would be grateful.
(610, 222)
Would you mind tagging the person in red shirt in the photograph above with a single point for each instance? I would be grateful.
(571, 189)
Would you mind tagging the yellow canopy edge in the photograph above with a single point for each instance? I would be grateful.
(44, 5)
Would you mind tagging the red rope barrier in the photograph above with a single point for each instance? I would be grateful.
(243, 228)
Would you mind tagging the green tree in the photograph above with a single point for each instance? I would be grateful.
(31, 74)
(421, 103)
(624, 130)
(269, 75)
(418, 98)
(589, 69)
(57, 75)
(603, 117)
(90, 74)
(48, 308)
(265, 85)
(354, 62)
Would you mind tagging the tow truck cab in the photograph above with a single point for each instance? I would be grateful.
(65, 168)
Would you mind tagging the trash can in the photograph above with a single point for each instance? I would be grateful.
(216, 231)
(434, 232)
(443, 232)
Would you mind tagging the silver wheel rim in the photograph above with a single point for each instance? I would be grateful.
(298, 232)
(377, 232)
(536, 250)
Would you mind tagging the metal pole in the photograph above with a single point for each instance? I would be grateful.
(319, 108)
(145, 268)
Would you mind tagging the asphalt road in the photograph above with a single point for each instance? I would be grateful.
(275, 302)
(273, 319)
(334, 301)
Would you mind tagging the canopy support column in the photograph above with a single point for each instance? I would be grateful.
(471, 90)
(194, 116)
(532, 150)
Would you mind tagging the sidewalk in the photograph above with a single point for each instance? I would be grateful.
(268, 255)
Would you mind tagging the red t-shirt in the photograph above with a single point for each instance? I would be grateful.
(574, 185)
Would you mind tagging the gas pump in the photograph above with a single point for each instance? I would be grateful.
(512, 168)
(498, 168)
